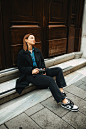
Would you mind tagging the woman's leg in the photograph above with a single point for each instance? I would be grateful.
(57, 71)
(66, 103)
(44, 81)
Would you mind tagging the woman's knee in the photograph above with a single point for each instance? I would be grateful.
(59, 69)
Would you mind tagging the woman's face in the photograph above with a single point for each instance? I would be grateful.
(31, 40)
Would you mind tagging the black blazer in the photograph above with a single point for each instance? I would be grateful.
(25, 66)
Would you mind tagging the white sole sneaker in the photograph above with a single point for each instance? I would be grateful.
(73, 110)
(70, 106)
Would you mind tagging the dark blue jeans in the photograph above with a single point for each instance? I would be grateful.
(45, 81)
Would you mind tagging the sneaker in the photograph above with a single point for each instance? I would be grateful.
(64, 94)
(70, 105)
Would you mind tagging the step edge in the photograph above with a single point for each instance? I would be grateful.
(70, 69)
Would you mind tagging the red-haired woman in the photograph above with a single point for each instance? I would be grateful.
(29, 62)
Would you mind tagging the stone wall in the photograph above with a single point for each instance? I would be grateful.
(83, 38)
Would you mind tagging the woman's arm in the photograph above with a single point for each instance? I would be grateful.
(21, 67)
(42, 61)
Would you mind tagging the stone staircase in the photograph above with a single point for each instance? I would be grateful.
(68, 62)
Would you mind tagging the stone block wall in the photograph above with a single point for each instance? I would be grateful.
(83, 38)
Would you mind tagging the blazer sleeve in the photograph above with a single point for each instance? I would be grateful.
(21, 67)
(42, 61)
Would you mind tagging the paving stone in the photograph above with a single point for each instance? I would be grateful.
(83, 79)
(73, 77)
(82, 86)
(22, 121)
(34, 109)
(2, 127)
(76, 91)
(48, 120)
(78, 83)
(54, 107)
(76, 119)
(79, 102)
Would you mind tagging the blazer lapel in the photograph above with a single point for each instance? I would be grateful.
(28, 58)
(37, 56)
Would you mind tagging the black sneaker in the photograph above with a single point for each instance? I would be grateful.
(70, 105)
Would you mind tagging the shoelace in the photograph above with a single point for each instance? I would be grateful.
(71, 103)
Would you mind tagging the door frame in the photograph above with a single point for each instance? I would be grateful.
(6, 32)
(2, 50)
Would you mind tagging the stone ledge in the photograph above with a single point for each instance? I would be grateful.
(12, 73)
(66, 70)
(55, 62)
(13, 94)
(59, 59)
(9, 74)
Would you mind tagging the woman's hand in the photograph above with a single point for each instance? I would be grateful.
(45, 72)
(35, 71)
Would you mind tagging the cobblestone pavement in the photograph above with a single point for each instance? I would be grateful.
(50, 115)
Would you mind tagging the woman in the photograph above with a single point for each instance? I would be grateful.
(29, 62)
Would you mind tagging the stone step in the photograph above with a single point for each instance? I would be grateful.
(7, 88)
(11, 73)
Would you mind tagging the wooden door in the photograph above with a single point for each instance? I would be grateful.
(55, 27)
(21, 17)
(54, 23)
(75, 16)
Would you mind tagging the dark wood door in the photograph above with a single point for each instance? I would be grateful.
(21, 17)
(75, 16)
(52, 22)
(55, 27)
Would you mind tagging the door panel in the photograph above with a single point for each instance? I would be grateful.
(72, 19)
(57, 11)
(78, 23)
(71, 39)
(17, 34)
(57, 29)
(56, 46)
(23, 10)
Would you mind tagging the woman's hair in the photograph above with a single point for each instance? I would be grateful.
(25, 47)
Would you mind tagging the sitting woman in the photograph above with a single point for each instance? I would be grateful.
(29, 62)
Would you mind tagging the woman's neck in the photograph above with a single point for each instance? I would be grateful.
(30, 48)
